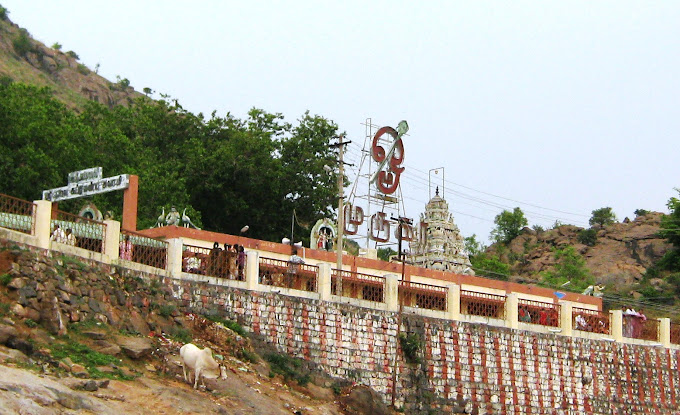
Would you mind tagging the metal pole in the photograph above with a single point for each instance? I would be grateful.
(341, 213)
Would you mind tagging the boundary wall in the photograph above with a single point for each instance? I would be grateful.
(504, 366)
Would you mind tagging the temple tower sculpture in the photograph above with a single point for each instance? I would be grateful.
(439, 244)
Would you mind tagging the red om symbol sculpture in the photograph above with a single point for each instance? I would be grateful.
(387, 180)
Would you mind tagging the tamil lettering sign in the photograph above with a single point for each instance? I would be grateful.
(86, 183)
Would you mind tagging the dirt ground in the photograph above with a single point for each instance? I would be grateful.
(24, 391)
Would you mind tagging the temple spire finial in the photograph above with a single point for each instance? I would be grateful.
(436, 192)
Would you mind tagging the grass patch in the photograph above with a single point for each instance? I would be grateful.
(4, 308)
(67, 260)
(5, 279)
(30, 323)
(180, 334)
(85, 325)
(83, 355)
(288, 367)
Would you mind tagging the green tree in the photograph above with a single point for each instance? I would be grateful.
(603, 216)
(571, 267)
(587, 237)
(490, 266)
(22, 43)
(56, 46)
(386, 253)
(670, 229)
(641, 212)
(508, 225)
(3, 13)
(473, 247)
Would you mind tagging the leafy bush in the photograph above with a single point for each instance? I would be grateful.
(56, 46)
(3, 13)
(490, 266)
(248, 356)
(570, 266)
(288, 367)
(410, 345)
(30, 323)
(166, 310)
(84, 70)
(5, 80)
(641, 212)
(587, 237)
(73, 55)
(4, 308)
(22, 44)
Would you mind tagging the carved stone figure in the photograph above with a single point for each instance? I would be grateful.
(161, 218)
(186, 220)
(172, 218)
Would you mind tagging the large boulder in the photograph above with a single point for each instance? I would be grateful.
(135, 347)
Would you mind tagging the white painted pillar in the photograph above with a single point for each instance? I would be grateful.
(112, 239)
(175, 246)
(324, 282)
(453, 301)
(253, 270)
(566, 320)
(616, 324)
(43, 221)
(512, 311)
(392, 292)
(665, 332)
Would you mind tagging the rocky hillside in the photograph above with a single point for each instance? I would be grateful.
(24, 59)
(618, 258)
(82, 337)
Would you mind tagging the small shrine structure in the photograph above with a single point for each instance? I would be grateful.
(439, 244)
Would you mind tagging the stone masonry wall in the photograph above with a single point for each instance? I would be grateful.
(464, 367)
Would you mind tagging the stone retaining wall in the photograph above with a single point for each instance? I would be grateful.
(484, 369)
(463, 366)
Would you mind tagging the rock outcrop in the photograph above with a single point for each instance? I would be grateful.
(621, 254)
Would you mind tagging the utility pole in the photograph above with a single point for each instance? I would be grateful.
(341, 208)
(402, 221)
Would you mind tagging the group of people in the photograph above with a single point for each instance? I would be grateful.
(58, 235)
(229, 262)
(544, 316)
(633, 322)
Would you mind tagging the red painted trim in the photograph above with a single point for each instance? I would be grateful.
(382, 267)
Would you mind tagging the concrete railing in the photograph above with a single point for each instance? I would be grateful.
(386, 293)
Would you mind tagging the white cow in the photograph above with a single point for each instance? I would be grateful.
(201, 362)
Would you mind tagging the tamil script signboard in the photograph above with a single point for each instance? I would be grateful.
(86, 183)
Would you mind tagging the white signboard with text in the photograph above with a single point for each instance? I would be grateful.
(86, 183)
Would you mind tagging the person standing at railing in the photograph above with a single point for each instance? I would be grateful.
(70, 237)
(58, 235)
(125, 248)
(293, 265)
(241, 260)
(524, 315)
(214, 260)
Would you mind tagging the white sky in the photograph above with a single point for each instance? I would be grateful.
(558, 107)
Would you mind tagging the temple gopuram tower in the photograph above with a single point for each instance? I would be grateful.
(439, 244)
